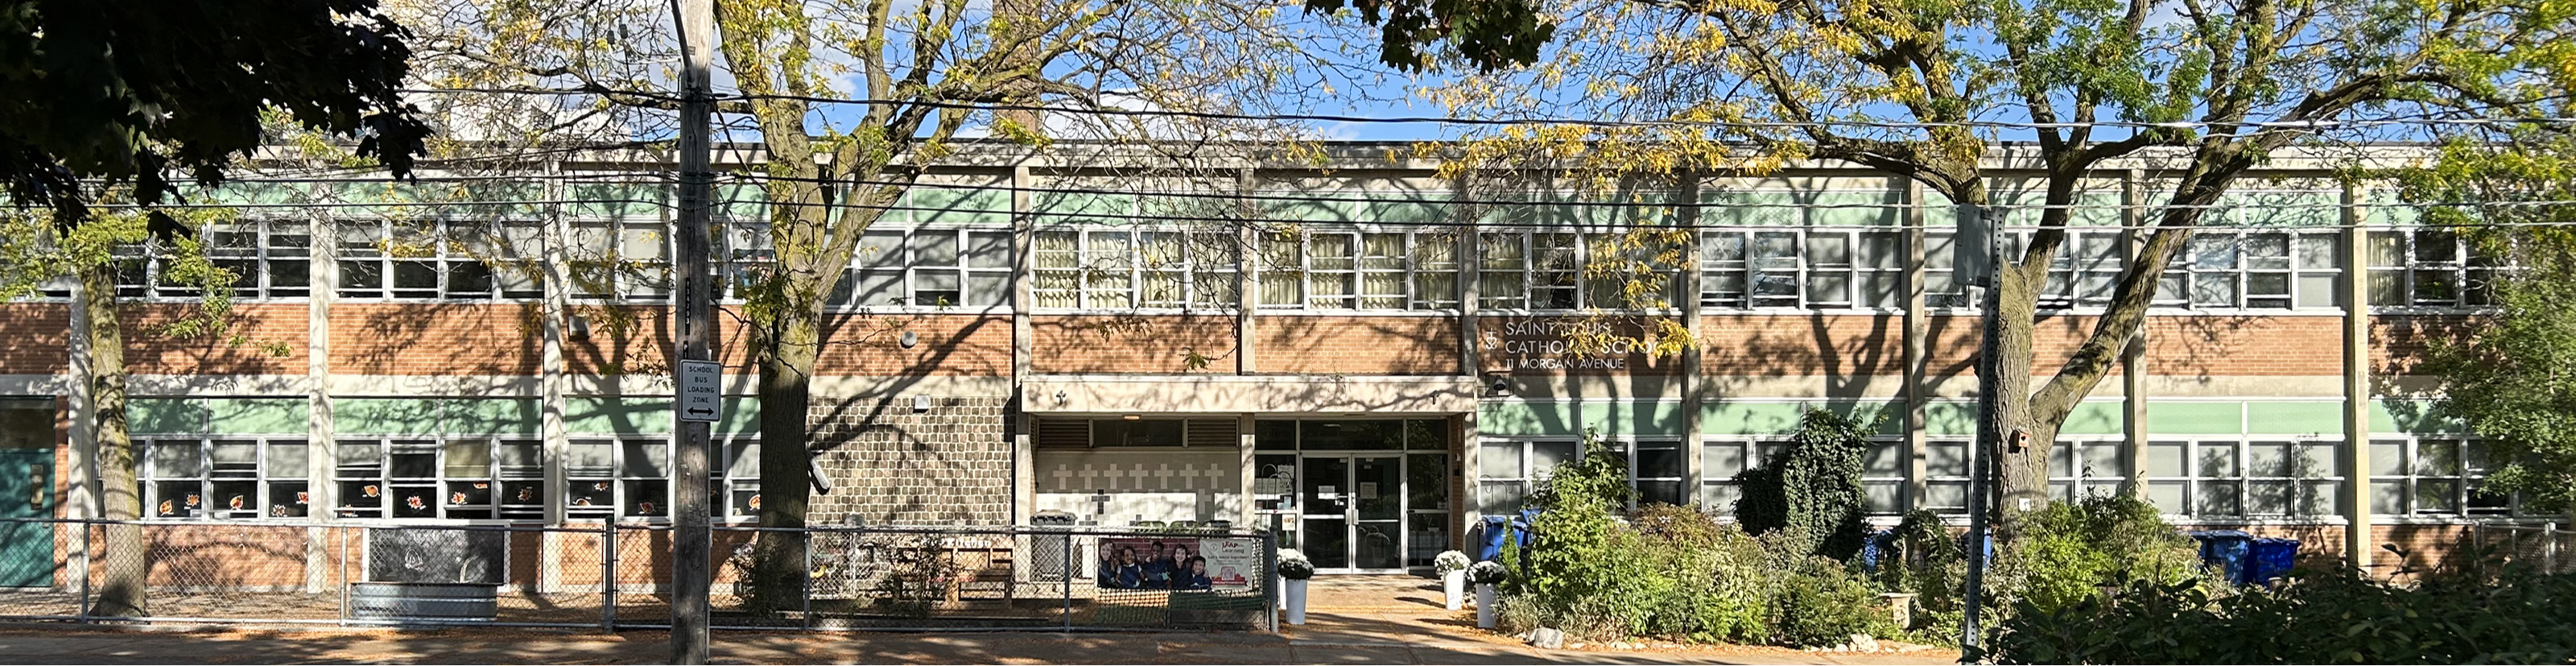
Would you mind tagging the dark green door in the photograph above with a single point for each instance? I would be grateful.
(26, 491)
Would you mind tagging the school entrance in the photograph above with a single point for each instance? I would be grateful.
(1365, 495)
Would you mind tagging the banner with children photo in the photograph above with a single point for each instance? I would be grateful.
(1177, 563)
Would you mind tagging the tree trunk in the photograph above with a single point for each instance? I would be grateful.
(786, 355)
(2019, 465)
(127, 566)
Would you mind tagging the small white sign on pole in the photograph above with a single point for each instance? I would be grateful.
(701, 390)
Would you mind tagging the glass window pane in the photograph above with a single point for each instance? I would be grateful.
(2165, 459)
(1721, 460)
(2102, 460)
(649, 458)
(2216, 459)
(1546, 456)
(287, 459)
(2388, 458)
(469, 458)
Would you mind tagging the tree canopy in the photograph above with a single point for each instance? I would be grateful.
(130, 92)
(2194, 93)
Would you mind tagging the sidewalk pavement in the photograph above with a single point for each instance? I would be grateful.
(239, 646)
(1389, 621)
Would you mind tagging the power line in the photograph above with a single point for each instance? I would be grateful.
(2258, 125)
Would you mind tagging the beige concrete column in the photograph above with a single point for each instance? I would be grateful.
(321, 450)
(1024, 489)
(1247, 269)
(554, 443)
(2133, 366)
(1245, 515)
(1917, 360)
(1694, 380)
(2357, 541)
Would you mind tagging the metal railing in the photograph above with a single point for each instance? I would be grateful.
(611, 576)
(2544, 546)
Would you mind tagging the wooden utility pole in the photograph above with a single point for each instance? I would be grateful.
(691, 321)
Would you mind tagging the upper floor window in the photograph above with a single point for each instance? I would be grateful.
(1134, 268)
(1800, 268)
(2429, 267)
(1347, 269)
(931, 266)
(439, 259)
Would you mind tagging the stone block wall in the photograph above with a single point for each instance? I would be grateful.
(950, 465)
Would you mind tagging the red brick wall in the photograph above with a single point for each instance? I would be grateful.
(871, 345)
(1129, 343)
(35, 338)
(434, 339)
(2214, 345)
(148, 351)
(1802, 345)
(2399, 342)
(1356, 345)
(2245, 346)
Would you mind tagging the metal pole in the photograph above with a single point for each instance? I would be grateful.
(1070, 567)
(691, 542)
(608, 574)
(1990, 424)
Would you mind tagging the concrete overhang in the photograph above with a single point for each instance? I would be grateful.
(1238, 394)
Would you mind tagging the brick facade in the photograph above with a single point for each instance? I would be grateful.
(1129, 343)
(1357, 345)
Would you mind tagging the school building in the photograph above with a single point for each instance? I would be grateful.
(1374, 352)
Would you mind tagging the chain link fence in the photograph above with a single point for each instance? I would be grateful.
(2544, 546)
(612, 576)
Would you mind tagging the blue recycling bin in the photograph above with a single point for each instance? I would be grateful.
(2267, 559)
(2225, 550)
(1874, 544)
(1498, 528)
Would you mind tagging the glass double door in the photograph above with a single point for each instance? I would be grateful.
(1353, 517)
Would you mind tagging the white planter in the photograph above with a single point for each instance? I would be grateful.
(1294, 595)
(1484, 606)
(1454, 583)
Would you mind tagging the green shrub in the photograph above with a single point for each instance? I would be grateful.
(2454, 616)
(1822, 604)
(2071, 552)
(1813, 494)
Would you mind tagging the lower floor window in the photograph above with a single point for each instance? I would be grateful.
(1509, 470)
(189, 477)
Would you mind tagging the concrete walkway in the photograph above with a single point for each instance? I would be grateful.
(1384, 620)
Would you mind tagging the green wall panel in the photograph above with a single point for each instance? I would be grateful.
(146, 416)
(498, 416)
(1950, 418)
(2195, 418)
(1526, 419)
(2294, 418)
(615, 415)
(963, 205)
(1633, 418)
(741, 417)
(2411, 417)
(259, 416)
(1750, 418)
(386, 416)
(2093, 418)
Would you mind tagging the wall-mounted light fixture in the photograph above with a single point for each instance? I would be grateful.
(1134, 417)
(920, 403)
(908, 340)
(579, 330)
(1497, 384)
